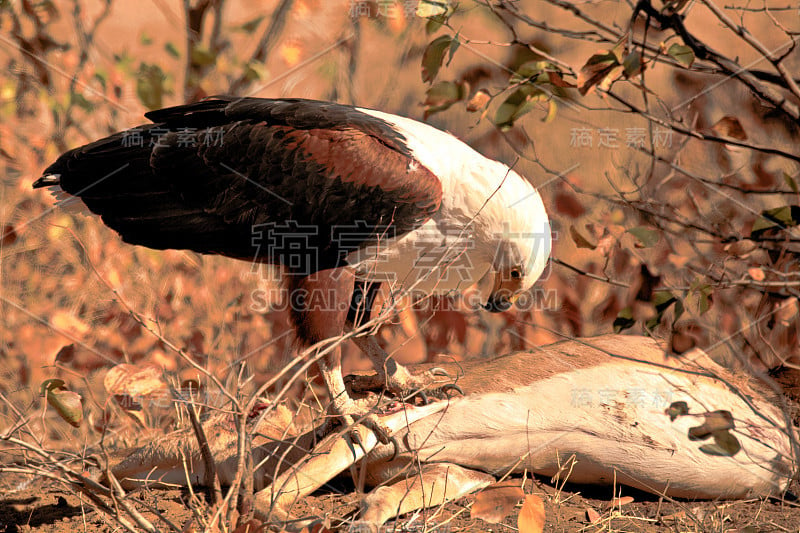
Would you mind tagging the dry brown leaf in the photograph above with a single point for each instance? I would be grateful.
(531, 516)
(8, 235)
(65, 354)
(189, 527)
(558, 81)
(786, 311)
(730, 127)
(592, 516)
(600, 69)
(619, 502)
(497, 501)
(478, 101)
(567, 204)
(741, 248)
(68, 404)
(756, 273)
(579, 240)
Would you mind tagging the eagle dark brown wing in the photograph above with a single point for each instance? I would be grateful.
(247, 177)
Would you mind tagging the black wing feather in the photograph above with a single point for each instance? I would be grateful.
(212, 175)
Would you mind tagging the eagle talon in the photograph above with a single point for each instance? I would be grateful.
(446, 388)
(395, 448)
(355, 439)
(372, 423)
(436, 371)
(422, 395)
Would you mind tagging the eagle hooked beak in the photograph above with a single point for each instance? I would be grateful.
(497, 304)
(507, 286)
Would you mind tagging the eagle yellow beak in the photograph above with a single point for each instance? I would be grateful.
(504, 293)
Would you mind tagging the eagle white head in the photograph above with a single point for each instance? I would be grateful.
(517, 230)
(492, 217)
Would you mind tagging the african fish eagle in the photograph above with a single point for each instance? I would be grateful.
(344, 198)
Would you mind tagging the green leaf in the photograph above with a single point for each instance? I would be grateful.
(172, 50)
(79, 100)
(202, 56)
(552, 109)
(633, 64)
(698, 298)
(646, 237)
(255, 71)
(442, 95)
(454, 44)
(783, 217)
(598, 69)
(150, 85)
(682, 54)
(124, 62)
(49, 385)
(679, 310)
(661, 300)
(67, 404)
(528, 71)
(788, 215)
(624, 320)
(762, 224)
(433, 56)
(145, 39)
(791, 182)
(101, 76)
(435, 22)
(520, 102)
(432, 8)
(677, 409)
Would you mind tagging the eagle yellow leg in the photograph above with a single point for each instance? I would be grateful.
(349, 410)
(325, 298)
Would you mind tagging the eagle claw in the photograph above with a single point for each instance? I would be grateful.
(447, 387)
(436, 371)
(371, 422)
(424, 386)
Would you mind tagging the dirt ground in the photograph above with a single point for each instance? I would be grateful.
(44, 506)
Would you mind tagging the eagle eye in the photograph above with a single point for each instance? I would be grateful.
(516, 274)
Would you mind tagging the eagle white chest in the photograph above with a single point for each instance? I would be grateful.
(483, 203)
